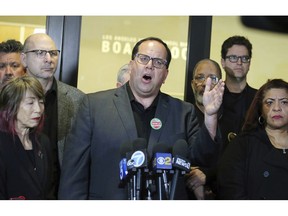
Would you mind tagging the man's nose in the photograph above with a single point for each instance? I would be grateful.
(8, 71)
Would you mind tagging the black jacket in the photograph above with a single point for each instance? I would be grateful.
(20, 178)
(252, 168)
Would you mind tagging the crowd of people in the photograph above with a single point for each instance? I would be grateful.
(56, 142)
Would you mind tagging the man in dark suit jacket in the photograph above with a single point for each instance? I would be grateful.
(40, 58)
(137, 109)
(68, 100)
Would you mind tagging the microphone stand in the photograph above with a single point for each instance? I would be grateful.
(166, 184)
(138, 184)
(174, 184)
(134, 188)
(160, 187)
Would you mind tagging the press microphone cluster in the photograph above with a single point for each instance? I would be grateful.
(133, 167)
(157, 179)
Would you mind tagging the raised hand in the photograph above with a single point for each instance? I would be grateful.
(212, 98)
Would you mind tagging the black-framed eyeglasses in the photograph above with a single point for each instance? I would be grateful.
(42, 53)
(235, 58)
(156, 62)
(201, 78)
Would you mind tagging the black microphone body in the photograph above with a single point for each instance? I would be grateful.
(138, 165)
(162, 165)
(180, 163)
(126, 179)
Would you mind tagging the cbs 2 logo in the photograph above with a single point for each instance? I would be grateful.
(164, 161)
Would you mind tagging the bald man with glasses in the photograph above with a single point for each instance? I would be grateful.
(40, 57)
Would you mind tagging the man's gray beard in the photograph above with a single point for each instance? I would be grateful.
(199, 100)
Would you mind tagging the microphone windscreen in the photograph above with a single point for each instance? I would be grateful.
(180, 148)
(161, 147)
(139, 143)
(124, 148)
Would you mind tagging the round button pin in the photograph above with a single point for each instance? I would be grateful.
(156, 123)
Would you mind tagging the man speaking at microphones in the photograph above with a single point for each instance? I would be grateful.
(138, 109)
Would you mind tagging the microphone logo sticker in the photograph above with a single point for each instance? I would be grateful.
(161, 160)
(182, 163)
(138, 158)
(123, 168)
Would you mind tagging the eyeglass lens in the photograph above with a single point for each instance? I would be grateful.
(202, 78)
(156, 62)
(234, 58)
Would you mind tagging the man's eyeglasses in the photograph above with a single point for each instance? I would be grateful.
(42, 53)
(201, 78)
(156, 62)
(234, 58)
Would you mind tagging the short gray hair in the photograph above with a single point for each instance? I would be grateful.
(123, 70)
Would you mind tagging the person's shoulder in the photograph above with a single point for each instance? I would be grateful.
(251, 89)
(66, 86)
(104, 93)
(5, 134)
(43, 138)
(71, 89)
(251, 137)
(4, 137)
(174, 100)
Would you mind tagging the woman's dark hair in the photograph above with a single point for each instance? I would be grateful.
(11, 96)
(255, 110)
(136, 48)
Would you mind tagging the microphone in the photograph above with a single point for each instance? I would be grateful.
(138, 164)
(124, 148)
(125, 174)
(179, 162)
(162, 162)
(123, 170)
